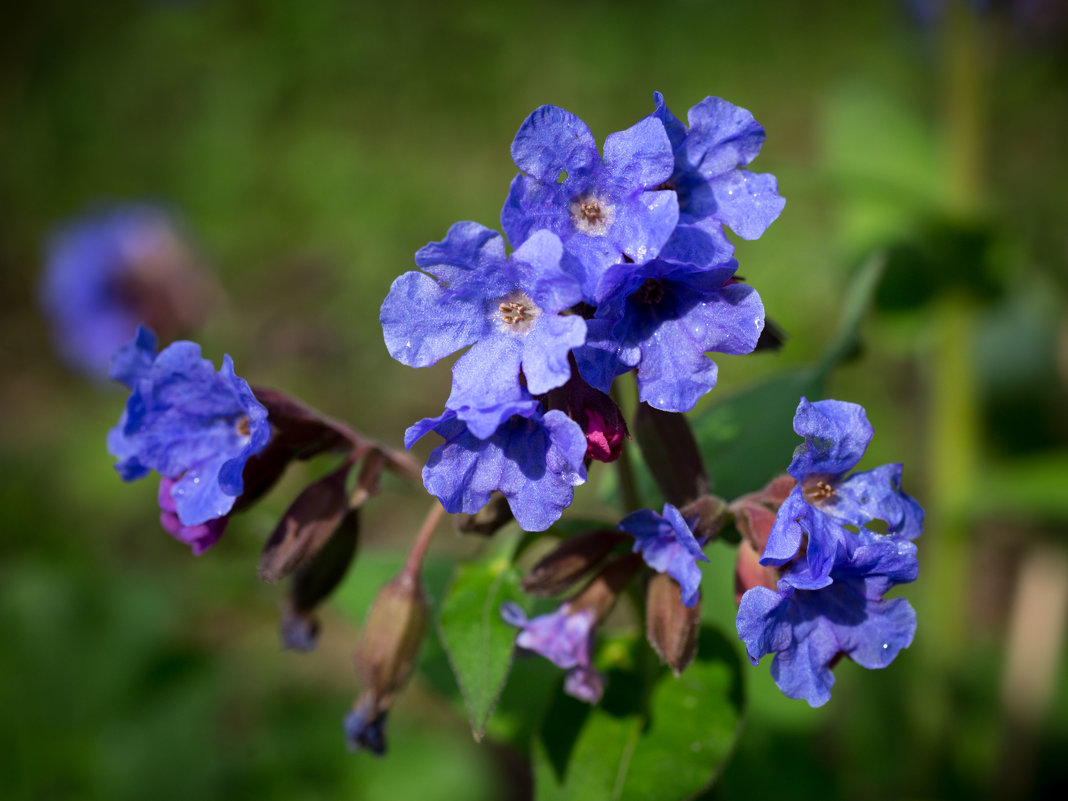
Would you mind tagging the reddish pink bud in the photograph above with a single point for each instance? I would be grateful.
(749, 573)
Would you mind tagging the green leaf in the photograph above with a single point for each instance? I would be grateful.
(479, 643)
(668, 745)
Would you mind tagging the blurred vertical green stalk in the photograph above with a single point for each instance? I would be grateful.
(953, 433)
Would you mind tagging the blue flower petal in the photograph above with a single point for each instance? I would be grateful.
(552, 140)
(836, 435)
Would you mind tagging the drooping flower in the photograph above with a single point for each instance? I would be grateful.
(661, 317)
(194, 426)
(808, 631)
(534, 458)
(713, 189)
(111, 270)
(510, 310)
(668, 545)
(565, 638)
(811, 525)
(603, 209)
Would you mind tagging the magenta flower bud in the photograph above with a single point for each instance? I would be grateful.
(599, 416)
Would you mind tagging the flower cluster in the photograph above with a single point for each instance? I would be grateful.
(837, 544)
(619, 264)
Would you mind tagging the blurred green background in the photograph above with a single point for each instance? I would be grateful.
(311, 148)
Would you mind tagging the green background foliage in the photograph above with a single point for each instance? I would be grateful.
(311, 148)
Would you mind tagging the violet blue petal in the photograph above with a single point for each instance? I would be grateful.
(836, 435)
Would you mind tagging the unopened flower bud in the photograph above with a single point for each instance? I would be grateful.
(601, 593)
(389, 644)
(754, 514)
(307, 525)
(671, 453)
(313, 582)
(487, 520)
(670, 626)
(749, 573)
(570, 561)
(706, 516)
(599, 416)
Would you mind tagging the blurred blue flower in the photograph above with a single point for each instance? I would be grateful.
(192, 425)
(535, 459)
(508, 309)
(712, 188)
(815, 523)
(809, 630)
(565, 638)
(603, 210)
(662, 317)
(111, 270)
(667, 545)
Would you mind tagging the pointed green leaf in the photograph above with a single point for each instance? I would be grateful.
(479, 643)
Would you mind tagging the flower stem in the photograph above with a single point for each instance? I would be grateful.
(414, 563)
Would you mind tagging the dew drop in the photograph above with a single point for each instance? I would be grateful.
(886, 645)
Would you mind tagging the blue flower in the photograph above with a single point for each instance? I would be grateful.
(667, 545)
(107, 272)
(510, 310)
(601, 209)
(809, 630)
(535, 459)
(816, 522)
(712, 188)
(565, 638)
(192, 425)
(662, 317)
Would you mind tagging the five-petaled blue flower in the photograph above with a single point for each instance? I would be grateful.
(565, 638)
(605, 211)
(815, 516)
(192, 425)
(534, 458)
(667, 545)
(661, 317)
(509, 309)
